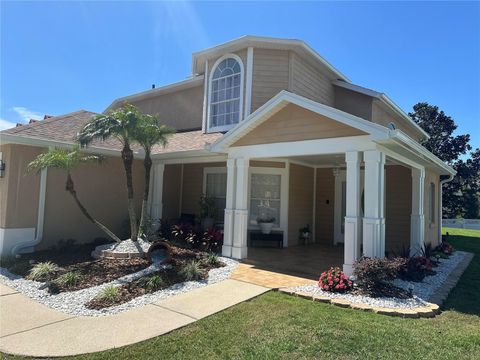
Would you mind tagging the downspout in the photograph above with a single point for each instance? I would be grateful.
(40, 217)
(440, 222)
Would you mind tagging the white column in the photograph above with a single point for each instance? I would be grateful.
(239, 249)
(228, 229)
(157, 191)
(374, 218)
(417, 219)
(352, 240)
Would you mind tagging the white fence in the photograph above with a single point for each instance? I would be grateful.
(473, 224)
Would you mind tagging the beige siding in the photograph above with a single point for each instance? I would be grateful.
(294, 123)
(353, 102)
(325, 206)
(270, 75)
(172, 188)
(101, 189)
(383, 117)
(309, 82)
(398, 207)
(431, 228)
(181, 109)
(300, 201)
(193, 185)
(18, 190)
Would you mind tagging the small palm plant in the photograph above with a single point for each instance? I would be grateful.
(121, 124)
(68, 160)
(149, 133)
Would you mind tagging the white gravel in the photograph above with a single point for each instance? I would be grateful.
(126, 246)
(73, 302)
(422, 291)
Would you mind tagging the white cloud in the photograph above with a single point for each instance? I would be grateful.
(4, 124)
(27, 114)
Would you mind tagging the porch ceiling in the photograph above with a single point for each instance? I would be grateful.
(328, 159)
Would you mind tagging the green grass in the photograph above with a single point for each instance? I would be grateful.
(278, 326)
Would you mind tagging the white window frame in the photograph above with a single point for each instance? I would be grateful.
(242, 89)
(432, 189)
(283, 172)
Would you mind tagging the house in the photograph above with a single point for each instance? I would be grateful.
(264, 125)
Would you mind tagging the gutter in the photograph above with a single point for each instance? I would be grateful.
(40, 217)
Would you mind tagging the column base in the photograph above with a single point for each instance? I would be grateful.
(348, 269)
(239, 252)
(374, 237)
(227, 250)
(352, 239)
(417, 239)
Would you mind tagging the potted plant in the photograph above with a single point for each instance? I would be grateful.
(266, 224)
(208, 211)
(305, 234)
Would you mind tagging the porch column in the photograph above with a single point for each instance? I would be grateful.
(157, 191)
(374, 214)
(352, 239)
(228, 227)
(417, 220)
(239, 249)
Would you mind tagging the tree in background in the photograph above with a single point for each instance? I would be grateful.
(121, 124)
(461, 195)
(67, 160)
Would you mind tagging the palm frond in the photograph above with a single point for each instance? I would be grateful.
(65, 159)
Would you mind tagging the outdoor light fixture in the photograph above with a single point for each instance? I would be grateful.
(2, 166)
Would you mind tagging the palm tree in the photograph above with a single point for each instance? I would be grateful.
(148, 134)
(119, 123)
(68, 160)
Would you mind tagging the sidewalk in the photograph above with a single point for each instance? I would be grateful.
(32, 329)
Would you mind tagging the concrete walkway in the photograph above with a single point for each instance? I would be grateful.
(32, 329)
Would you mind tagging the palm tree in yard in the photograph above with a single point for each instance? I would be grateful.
(121, 124)
(67, 160)
(150, 133)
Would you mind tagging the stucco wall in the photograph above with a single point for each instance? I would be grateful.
(325, 206)
(300, 200)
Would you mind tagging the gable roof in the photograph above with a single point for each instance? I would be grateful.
(299, 46)
(282, 99)
(382, 97)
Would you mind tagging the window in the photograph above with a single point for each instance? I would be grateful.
(215, 186)
(225, 94)
(265, 196)
(432, 203)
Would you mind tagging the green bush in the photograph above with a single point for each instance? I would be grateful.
(152, 283)
(372, 274)
(191, 271)
(69, 279)
(42, 271)
(211, 259)
(110, 293)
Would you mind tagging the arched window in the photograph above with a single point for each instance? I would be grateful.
(225, 94)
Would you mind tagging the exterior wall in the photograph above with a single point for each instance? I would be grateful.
(309, 82)
(181, 109)
(102, 189)
(383, 117)
(398, 208)
(294, 123)
(172, 188)
(325, 206)
(192, 186)
(300, 202)
(431, 228)
(19, 190)
(271, 164)
(353, 102)
(270, 75)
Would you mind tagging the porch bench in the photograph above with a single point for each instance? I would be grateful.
(276, 236)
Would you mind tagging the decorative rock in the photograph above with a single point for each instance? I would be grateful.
(304, 295)
(320, 298)
(435, 308)
(341, 302)
(385, 311)
(363, 307)
(425, 312)
(407, 313)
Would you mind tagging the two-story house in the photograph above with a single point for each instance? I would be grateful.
(264, 126)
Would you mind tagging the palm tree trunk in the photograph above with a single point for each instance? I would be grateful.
(70, 188)
(127, 157)
(147, 163)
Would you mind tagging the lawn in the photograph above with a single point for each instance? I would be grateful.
(277, 326)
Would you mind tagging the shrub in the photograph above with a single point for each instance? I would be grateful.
(191, 271)
(69, 279)
(184, 234)
(445, 248)
(416, 268)
(110, 293)
(212, 240)
(211, 259)
(152, 283)
(42, 271)
(373, 273)
(334, 280)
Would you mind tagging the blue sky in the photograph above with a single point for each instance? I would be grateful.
(58, 57)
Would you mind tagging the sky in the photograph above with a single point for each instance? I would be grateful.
(59, 57)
